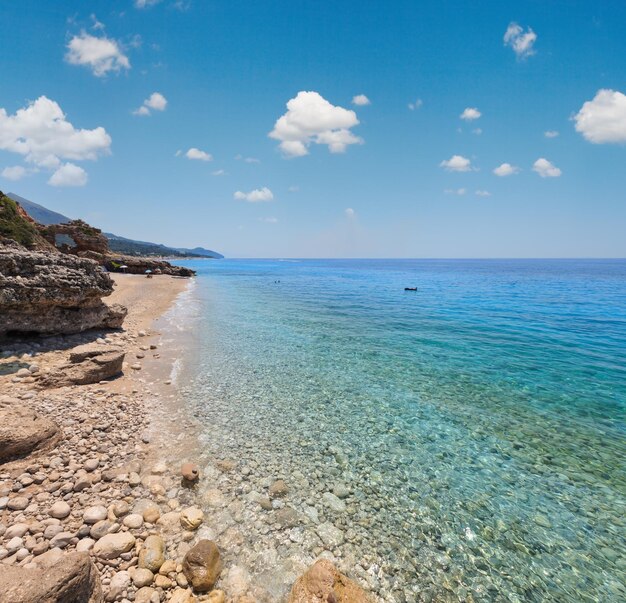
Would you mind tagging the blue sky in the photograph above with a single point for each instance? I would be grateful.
(336, 179)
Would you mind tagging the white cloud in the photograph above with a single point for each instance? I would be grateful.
(68, 174)
(361, 100)
(470, 113)
(311, 119)
(270, 220)
(155, 101)
(455, 191)
(603, 119)
(546, 169)
(41, 133)
(457, 163)
(550, 133)
(255, 196)
(16, 172)
(416, 105)
(199, 155)
(506, 169)
(350, 213)
(145, 3)
(218, 173)
(477, 131)
(101, 55)
(483, 193)
(293, 189)
(247, 159)
(521, 42)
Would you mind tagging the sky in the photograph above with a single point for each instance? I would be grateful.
(446, 129)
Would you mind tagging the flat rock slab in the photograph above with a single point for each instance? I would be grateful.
(91, 370)
(23, 431)
(73, 578)
(91, 350)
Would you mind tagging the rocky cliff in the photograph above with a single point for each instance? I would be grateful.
(46, 293)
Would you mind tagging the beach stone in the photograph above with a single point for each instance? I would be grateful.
(168, 567)
(120, 508)
(59, 510)
(334, 502)
(119, 583)
(152, 554)
(14, 545)
(95, 514)
(100, 529)
(147, 595)
(62, 539)
(190, 472)
(278, 489)
(216, 596)
(331, 536)
(19, 503)
(181, 595)
(72, 578)
(112, 546)
(142, 577)
(17, 529)
(323, 582)
(133, 521)
(51, 531)
(23, 431)
(191, 518)
(202, 565)
(85, 545)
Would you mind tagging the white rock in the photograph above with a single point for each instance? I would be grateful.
(85, 545)
(14, 545)
(119, 583)
(95, 514)
(59, 510)
(191, 518)
(112, 546)
(330, 535)
(133, 521)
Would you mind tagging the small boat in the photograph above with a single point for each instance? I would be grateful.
(410, 288)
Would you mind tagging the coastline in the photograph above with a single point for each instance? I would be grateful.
(94, 478)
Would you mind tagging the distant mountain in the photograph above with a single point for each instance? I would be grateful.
(39, 213)
(118, 244)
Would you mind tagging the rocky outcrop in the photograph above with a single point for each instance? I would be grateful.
(202, 565)
(89, 363)
(75, 237)
(72, 578)
(22, 431)
(139, 265)
(324, 583)
(50, 293)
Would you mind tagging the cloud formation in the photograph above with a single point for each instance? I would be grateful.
(603, 119)
(506, 169)
(255, 196)
(15, 172)
(550, 133)
(41, 134)
(198, 155)
(546, 169)
(68, 174)
(455, 191)
(350, 213)
(483, 193)
(361, 100)
(156, 101)
(311, 119)
(100, 54)
(520, 41)
(456, 163)
(416, 105)
(470, 114)
(145, 3)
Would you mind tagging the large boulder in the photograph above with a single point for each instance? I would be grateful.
(90, 363)
(323, 582)
(22, 431)
(52, 293)
(72, 578)
(202, 565)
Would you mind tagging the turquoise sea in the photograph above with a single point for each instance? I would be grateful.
(477, 423)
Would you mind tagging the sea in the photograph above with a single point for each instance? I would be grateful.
(463, 441)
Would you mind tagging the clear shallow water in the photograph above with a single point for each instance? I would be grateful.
(478, 423)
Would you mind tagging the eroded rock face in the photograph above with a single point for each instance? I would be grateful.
(22, 431)
(323, 583)
(53, 293)
(202, 565)
(89, 363)
(139, 265)
(71, 579)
